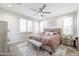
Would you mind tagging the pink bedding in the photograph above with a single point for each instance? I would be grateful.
(51, 41)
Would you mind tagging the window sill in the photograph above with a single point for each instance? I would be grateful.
(25, 32)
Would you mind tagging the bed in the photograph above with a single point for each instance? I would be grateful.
(51, 41)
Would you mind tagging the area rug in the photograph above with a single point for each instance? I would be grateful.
(23, 49)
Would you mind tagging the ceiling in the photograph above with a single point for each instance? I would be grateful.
(55, 8)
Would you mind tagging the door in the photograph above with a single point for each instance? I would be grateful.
(3, 36)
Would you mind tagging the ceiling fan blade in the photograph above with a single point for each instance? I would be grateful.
(35, 14)
(34, 10)
(46, 12)
(41, 9)
(42, 15)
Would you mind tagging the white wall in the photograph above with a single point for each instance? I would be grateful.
(78, 26)
(49, 22)
(78, 23)
(13, 24)
(60, 23)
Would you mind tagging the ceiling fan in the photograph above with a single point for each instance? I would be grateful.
(41, 11)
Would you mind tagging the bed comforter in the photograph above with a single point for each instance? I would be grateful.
(51, 41)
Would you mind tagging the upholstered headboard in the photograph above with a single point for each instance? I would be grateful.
(53, 30)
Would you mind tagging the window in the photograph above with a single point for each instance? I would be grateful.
(25, 25)
(22, 25)
(29, 23)
(67, 25)
(41, 26)
(36, 26)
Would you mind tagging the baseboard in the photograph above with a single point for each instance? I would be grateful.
(16, 42)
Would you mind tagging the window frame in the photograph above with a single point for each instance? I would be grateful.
(26, 26)
(67, 25)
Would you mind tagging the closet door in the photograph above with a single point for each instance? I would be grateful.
(3, 36)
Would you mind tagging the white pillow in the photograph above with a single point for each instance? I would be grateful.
(47, 33)
(51, 33)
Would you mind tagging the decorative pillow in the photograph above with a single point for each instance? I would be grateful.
(55, 33)
(47, 33)
(51, 33)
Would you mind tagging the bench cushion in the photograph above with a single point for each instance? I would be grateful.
(35, 43)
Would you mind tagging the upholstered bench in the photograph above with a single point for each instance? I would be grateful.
(35, 43)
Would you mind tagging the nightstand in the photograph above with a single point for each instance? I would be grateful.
(72, 41)
(67, 41)
(76, 43)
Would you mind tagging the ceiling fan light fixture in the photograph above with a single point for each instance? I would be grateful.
(41, 11)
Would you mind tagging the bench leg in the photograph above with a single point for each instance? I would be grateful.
(38, 48)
